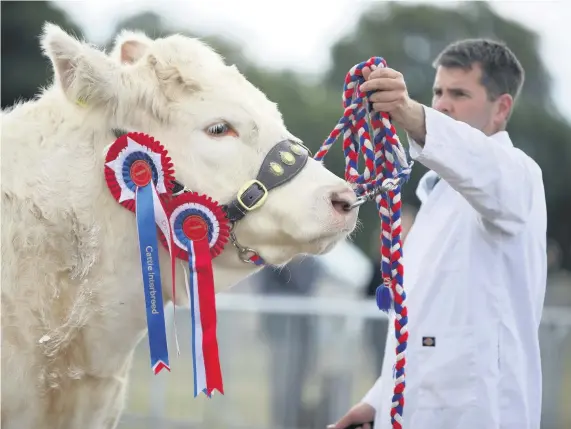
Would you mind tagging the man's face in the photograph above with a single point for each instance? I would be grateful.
(460, 94)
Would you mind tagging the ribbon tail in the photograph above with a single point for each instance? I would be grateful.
(206, 362)
(148, 249)
(163, 223)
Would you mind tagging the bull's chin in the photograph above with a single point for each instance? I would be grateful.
(325, 245)
(229, 269)
(319, 245)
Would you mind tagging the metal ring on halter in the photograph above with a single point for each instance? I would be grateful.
(388, 185)
(243, 252)
(360, 201)
(246, 254)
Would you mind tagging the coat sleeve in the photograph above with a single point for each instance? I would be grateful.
(373, 396)
(496, 179)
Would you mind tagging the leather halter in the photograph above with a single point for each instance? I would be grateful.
(282, 163)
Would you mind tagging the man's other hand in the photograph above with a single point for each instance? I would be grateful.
(360, 414)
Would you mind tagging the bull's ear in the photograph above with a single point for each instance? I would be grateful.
(130, 46)
(173, 77)
(85, 74)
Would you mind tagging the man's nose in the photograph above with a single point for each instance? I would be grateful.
(442, 105)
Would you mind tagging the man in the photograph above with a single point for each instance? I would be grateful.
(475, 258)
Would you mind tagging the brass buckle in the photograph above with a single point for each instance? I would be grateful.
(246, 186)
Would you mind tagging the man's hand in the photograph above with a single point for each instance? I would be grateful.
(390, 95)
(360, 414)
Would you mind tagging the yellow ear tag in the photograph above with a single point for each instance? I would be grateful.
(81, 102)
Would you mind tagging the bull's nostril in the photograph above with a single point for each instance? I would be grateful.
(340, 206)
(342, 201)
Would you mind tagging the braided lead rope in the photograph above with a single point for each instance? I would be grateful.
(386, 169)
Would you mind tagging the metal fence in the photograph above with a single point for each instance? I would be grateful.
(299, 363)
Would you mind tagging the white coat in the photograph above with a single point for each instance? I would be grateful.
(475, 276)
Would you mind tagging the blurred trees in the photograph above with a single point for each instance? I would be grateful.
(24, 69)
(408, 37)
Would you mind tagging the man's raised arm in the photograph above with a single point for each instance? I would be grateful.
(494, 177)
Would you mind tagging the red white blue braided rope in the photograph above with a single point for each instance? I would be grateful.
(386, 169)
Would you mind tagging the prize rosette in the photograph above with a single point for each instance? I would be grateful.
(200, 232)
(196, 217)
(131, 161)
(138, 172)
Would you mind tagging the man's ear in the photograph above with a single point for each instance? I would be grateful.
(505, 105)
(130, 46)
(84, 73)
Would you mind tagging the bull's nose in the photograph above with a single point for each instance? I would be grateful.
(342, 200)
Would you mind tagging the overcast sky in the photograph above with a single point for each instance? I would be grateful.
(297, 33)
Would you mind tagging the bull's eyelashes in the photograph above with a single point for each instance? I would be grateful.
(221, 129)
(218, 129)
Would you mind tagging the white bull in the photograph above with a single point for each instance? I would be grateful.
(72, 301)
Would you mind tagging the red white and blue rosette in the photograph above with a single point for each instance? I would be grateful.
(138, 172)
(126, 159)
(199, 214)
(200, 232)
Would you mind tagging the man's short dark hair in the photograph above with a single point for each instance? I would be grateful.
(502, 73)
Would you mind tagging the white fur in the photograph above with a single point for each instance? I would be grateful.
(72, 297)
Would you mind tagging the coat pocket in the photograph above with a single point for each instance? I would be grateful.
(447, 373)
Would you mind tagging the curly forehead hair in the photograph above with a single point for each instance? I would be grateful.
(502, 73)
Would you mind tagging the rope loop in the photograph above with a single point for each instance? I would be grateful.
(386, 170)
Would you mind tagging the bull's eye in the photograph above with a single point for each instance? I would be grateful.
(221, 129)
(218, 129)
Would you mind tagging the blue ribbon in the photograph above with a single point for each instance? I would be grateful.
(148, 248)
